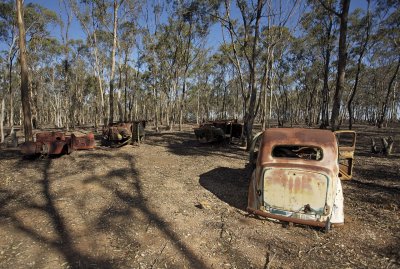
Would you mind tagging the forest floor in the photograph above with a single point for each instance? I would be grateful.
(173, 202)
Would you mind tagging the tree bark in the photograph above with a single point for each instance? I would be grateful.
(25, 100)
(325, 89)
(2, 121)
(341, 65)
(11, 56)
(250, 114)
(113, 62)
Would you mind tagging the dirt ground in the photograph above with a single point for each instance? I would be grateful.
(173, 202)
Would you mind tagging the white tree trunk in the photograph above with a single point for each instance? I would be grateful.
(2, 121)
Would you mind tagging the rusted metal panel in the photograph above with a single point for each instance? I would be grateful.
(82, 142)
(50, 136)
(296, 177)
(31, 148)
(295, 190)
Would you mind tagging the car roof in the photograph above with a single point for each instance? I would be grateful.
(324, 139)
(303, 136)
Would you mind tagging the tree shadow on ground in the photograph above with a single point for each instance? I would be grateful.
(10, 154)
(63, 242)
(185, 144)
(382, 175)
(374, 193)
(228, 184)
(134, 199)
(123, 202)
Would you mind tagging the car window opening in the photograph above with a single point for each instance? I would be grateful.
(297, 151)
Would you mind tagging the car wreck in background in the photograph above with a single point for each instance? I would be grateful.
(297, 175)
(56, 143)
(218, 131)
(120, 134)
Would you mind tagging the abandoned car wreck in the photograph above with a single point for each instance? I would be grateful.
(218, 131)
(296, 176)
(56, 143)
(120, 134)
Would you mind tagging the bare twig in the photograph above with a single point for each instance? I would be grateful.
(159, 254)
(268, 259)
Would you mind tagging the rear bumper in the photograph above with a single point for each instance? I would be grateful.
(287, 219)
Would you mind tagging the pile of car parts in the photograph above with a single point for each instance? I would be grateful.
(120, 134)
(56, 143)
(297, 175)
(218, 131)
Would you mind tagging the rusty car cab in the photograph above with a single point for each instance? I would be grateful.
(296, 177)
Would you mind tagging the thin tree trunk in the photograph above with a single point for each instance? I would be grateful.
(2, 120)
(125, 87)
(271, 93)
(325, 89)
(394, 107)
(113, 62)
(26, 106)
(10, 91)
(354, 90)
(342, 59)
(182, 103)
(198, 108)
(386, 102)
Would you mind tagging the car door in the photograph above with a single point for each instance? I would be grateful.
(346, 143)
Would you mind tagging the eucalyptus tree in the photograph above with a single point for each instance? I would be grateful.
(9, 35)
(243, 48)
(36, 19)
(388, 48)
(44, 58)
(342, 14)
(245, 43)
(276, 40)
(199, 96)
(128, 32)
(320, 26)
(26, 107)
(89, 14)
(359, 35)
(195, 26)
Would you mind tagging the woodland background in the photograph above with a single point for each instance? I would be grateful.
(319, 63)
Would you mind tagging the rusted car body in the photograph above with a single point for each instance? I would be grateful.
(218, 130)
(57, 143)
(120, 134)
(296, 177)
